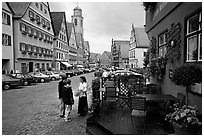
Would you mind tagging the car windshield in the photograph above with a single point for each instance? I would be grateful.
(6, 77)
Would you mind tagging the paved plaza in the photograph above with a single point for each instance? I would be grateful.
(33, 110)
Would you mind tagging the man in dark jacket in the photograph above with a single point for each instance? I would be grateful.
(96, 96)
(62, 105)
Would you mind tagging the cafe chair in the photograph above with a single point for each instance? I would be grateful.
(138, 108)
(109, 83)
(111, 95)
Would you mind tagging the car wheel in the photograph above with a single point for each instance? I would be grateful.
(53, 78)
(6, 86)
(25, 83)
(42, 80)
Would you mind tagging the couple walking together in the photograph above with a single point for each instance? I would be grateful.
(67, 100)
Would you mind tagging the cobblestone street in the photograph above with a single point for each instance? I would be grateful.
(33, 110)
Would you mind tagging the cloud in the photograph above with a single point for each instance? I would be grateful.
(105, 20)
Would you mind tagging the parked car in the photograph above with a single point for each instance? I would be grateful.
(26, 78)
(69, 73)
(8, 82)
(61, 73)
(40, 77)
(53, 76)
(86, 70)
(77, 72)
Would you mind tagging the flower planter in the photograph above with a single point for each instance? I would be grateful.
(183, 131)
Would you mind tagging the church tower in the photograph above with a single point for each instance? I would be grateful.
(77, 20)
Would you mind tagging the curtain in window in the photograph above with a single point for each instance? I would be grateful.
(192, 48)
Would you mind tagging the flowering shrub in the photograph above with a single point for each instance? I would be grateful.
(184, 116)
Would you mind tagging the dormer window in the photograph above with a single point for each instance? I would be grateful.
(31, 15)
(41, 7)
(36, 4)
(38, 19)
(48, 25)
(43, 23)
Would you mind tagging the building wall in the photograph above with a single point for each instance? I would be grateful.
(119, 51)
(21, 38)
(137, 59)
(72, 48)
(7, 51)
(179, 11)
(61, 46)
(105, 60)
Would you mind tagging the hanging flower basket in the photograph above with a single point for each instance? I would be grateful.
(158, 67)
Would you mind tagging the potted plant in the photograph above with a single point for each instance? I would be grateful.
(158, 67)
(187, 75)
(186, 120)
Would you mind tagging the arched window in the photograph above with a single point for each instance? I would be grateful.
(75, 22)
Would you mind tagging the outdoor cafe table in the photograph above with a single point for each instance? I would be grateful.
(157, 97)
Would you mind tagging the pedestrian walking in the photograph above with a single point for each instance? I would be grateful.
(82, 90)
(61, 105)
(67, 96)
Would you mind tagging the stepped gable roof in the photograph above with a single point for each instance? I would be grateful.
(19, 8)
(141, 37)
(57, 21)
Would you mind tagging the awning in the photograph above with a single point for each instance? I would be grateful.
(80, 66)
(67, 64)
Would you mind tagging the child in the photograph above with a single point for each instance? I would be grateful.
(67, 96)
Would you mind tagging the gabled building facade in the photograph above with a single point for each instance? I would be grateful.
(72, 44)
(120, 53)
(61, 57)
(33, 36)
(175, 31)
(7, 39)
(94, 60)
(139, 44)
(105, 59)
(87, 53)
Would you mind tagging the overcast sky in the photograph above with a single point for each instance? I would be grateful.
(104, 20)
